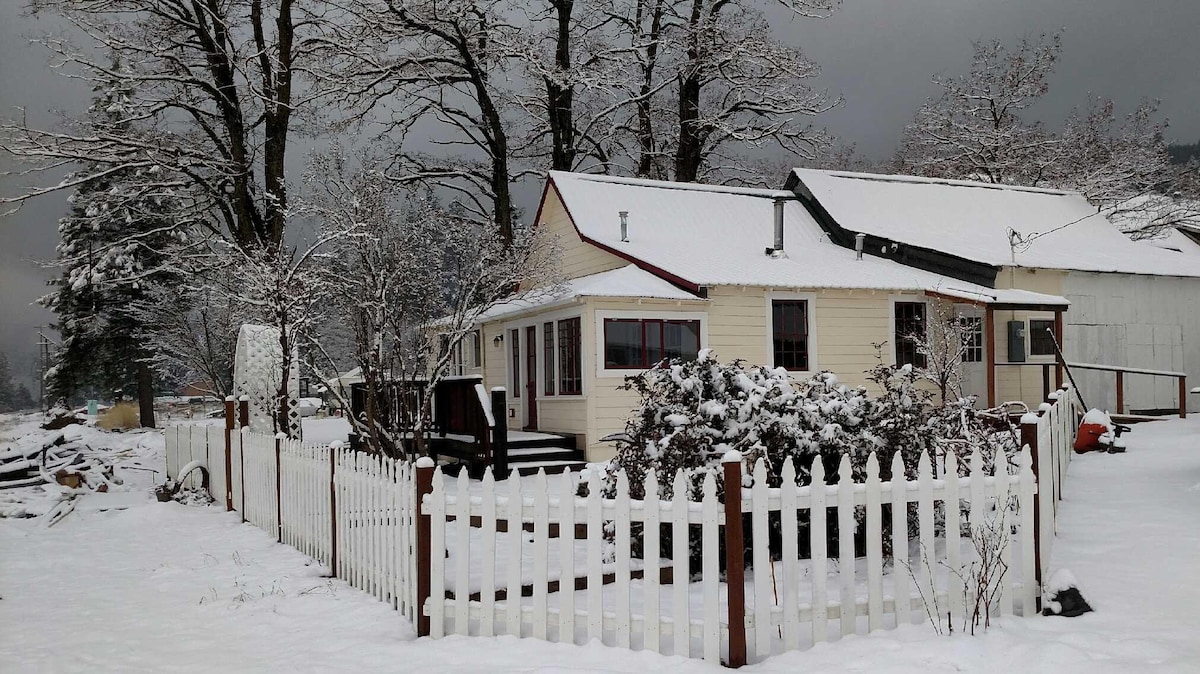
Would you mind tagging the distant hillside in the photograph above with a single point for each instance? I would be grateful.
(1183, 153)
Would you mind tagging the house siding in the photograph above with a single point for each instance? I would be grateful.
(578, 258)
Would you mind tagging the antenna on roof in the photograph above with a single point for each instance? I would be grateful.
(624, 226)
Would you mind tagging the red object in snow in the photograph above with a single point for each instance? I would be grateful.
(1088, 437)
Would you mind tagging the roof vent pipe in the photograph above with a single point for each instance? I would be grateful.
(624, 226)
(859, 240)
(779, 225)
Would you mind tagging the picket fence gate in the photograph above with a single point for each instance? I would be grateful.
(531, 558)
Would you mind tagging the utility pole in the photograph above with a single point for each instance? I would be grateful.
(45, 354)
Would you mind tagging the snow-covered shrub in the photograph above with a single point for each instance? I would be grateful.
(693, 412)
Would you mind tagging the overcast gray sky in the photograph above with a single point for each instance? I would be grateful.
(879, 54)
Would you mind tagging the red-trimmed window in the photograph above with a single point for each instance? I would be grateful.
(570, 357)
(789, 334)
(548, 354)
(514, 338)
(637, 343)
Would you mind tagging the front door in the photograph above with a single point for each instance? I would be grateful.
(531, 420)
(974, 369)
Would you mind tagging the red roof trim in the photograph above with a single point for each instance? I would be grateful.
(642, 264)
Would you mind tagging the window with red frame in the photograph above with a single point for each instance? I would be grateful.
(638, 343)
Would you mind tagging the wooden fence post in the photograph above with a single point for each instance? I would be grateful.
(1120, 392)
(1029, 437)
(244, 411)
(334, 448)
(1183, 392)
(500, 433)
(425, 467)
(278, 488)
(735, 559)
(230, 424)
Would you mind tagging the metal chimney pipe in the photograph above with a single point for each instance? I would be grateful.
(624, 225)
(779, 225)
(859, 240)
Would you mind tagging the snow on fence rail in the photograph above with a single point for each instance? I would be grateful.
(530, 557)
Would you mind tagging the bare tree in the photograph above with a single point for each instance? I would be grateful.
(739, 86)
(945, 343)
(974, 128)
(413, 280)
(213, 98)
(191, 331)
(978, 129)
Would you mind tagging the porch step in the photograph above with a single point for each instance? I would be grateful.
(524, 455)
(550, 466)
(522, 440)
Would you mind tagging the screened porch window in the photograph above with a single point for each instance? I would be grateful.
(635, 343)
(570, 357)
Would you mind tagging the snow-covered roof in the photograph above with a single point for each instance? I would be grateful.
(1183, 240)
(710, 236)
(627, 281)
(972, 220)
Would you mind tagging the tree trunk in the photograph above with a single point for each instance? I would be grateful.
(689, 153)
(560, 98)
(145, 393)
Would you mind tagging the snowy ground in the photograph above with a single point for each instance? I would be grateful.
(166, 587)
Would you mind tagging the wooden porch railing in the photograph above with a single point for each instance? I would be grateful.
(1121, 370)
(462, 406)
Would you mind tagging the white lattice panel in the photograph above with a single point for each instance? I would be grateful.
(258, 367)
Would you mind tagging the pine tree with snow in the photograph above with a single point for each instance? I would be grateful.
(112, 246)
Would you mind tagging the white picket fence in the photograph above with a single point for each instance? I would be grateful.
(529, 557)
(1053, 443)
(368, 539)
(185, 444)
(789, 604)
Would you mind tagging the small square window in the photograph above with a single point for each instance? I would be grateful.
(1041, 338)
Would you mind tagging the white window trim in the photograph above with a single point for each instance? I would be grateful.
(811, 298)
(973, 311)
(892, 300)
(537, 320)
(1036, 316)
(601, 316)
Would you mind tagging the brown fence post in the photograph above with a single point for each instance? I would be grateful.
(425, 468)
(230, 424)
(1120, 392)
(500, 433)
(735, 560)
(278, 488)
(244, 411)
(1183, 397)
(1029, 436)
(334, 448)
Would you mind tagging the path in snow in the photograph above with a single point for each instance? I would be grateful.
(164, 587)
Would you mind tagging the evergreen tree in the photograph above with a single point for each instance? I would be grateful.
(8, 400)
(112, 246)
(23, 399)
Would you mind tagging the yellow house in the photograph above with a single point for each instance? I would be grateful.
(658, 269)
